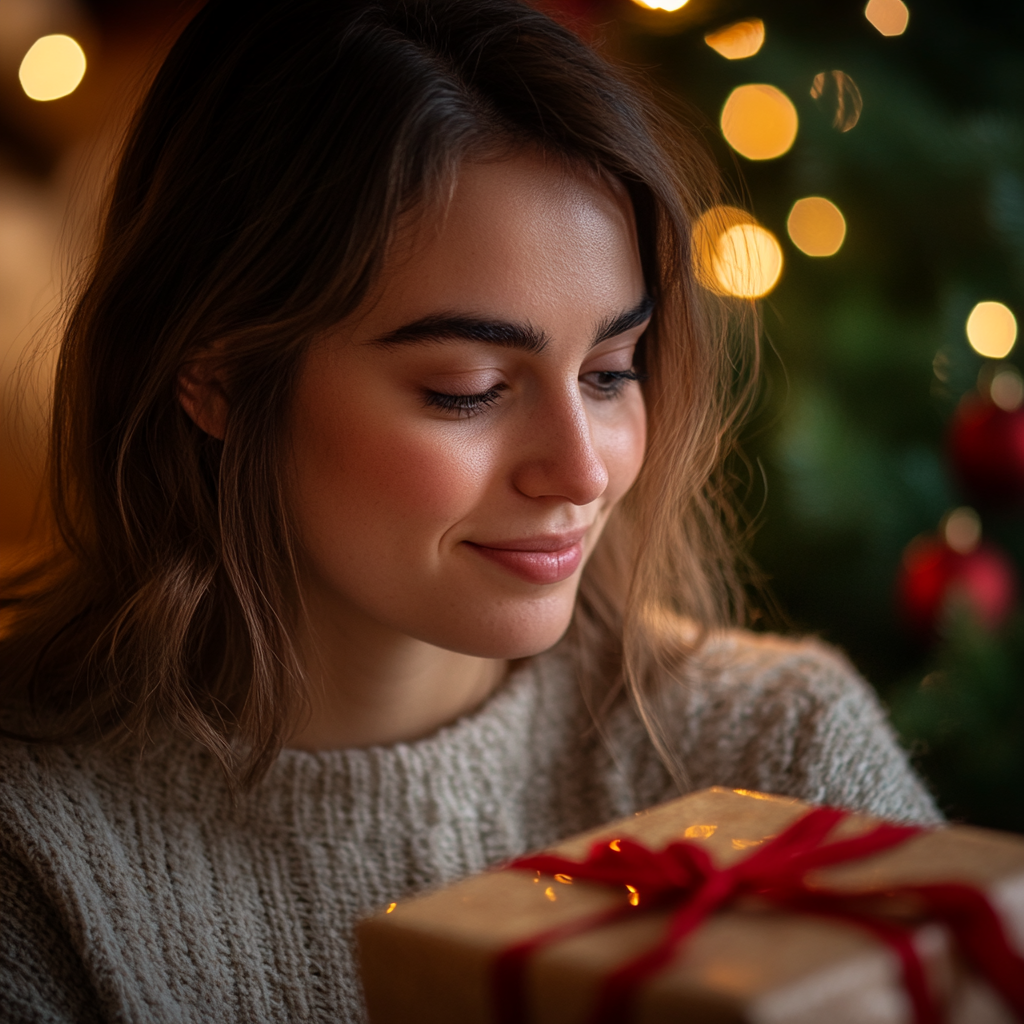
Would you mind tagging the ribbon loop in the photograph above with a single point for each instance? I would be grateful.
(684, 878)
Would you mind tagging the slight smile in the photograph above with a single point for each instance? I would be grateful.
(544, 559)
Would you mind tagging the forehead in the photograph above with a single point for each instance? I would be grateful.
(527, 238)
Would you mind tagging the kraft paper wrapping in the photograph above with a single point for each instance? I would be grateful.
(430, 959)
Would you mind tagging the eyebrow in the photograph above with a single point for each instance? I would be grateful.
(506, 333)
(616, 325)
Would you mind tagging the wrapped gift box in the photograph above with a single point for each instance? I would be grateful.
(431, 959)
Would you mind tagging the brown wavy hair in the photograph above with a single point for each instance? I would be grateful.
(256, 195)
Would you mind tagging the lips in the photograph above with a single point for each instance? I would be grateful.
(549, 558)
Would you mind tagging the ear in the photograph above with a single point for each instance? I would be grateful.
(202, 396)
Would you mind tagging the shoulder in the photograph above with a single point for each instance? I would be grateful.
(55, 856)
(792, 716)
(69, 812)
(741, 673)
(38, 783)
(44, 780)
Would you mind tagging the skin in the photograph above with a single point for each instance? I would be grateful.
(420, 455)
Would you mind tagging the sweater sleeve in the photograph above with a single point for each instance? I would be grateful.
(793, 717)
(848, 754)
(42, 979)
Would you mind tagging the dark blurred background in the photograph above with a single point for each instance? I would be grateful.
(886, 454)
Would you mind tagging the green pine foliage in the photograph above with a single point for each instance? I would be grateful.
(965, 722)
(866, 351)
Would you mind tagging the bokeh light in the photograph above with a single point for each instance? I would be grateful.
(837, 92)
(1007, 389)
(890, 17)
(53, 67)
(709, 228)
(759, 121)
(991, 330)
(816, 226)
(961, 530)
(662, 5)
(734, 255)
(739, 40)
(748, 261)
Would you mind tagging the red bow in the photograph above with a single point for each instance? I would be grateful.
(682, 876)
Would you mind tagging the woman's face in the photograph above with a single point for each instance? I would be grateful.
(458, 443)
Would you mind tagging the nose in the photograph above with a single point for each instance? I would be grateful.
(557, 456)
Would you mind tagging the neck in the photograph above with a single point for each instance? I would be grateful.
(369, 685)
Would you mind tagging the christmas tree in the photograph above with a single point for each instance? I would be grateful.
(911, 125)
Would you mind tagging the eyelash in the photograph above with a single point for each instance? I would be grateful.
(616, 380)
(468, 405)
(464, 405)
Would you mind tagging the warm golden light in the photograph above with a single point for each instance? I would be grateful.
(700, 831)
(733, 254)
(838, 92)
(391, 906)
(707, 232)
(745, 844)
(616, 845)
(816, 226)
(634, 896)
(564, 879)
(742, 39)
(53, 67)
(749, 261)
(759, 121)
(961, 530)
(890, 17)
(550, 893)
(991, 330)
(663, 5)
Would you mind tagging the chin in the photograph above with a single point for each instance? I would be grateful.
(507, 633)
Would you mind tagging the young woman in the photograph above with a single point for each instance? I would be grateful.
(385, 461)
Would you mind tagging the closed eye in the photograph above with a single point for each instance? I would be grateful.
(463, 405)
(609, 384)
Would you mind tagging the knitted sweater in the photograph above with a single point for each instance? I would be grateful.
(134, 891)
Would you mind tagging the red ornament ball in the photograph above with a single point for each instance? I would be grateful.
(986, 449)
(933, 577)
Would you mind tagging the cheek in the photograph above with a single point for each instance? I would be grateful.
(623, 445)
(364, 467)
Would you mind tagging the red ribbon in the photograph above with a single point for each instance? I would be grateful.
(683, 878)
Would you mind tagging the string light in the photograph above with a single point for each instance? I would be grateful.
(890, 17)
(53, 67)
(816, 226)
(759, 121)
(1007, 389)
(837, 91)
(663, 5)
(749, 261)
(961, 529)
(991, 330)
(734, 255)
(739, 40)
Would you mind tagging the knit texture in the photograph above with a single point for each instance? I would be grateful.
(134, 891)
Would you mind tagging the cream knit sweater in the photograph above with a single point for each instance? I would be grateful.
(134, 892)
